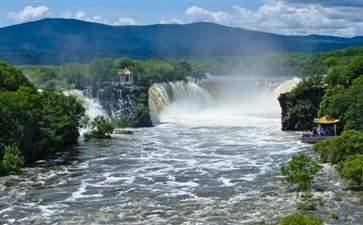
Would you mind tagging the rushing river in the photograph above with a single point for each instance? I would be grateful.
(200, 165)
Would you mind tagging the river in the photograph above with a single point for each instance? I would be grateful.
(206, 161)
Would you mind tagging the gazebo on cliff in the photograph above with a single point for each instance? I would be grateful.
(327, 127)
(126, 77)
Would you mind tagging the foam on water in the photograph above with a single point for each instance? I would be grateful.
(213, 164)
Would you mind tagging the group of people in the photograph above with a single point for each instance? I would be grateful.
(327, 131)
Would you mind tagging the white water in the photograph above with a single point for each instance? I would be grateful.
(287, 85)
(212, 160)
(92, 106)
(218, 100)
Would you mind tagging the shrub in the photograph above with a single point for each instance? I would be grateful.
(299, 219)
(307, 206)
(321, 201)
(307, 195)
(12, 161)
(334, 215)
(299, 172)
(39, 123)
(337, 149)
(120, 121)
(353, 169)
(100, 128)
(338, 198)
(141, 117)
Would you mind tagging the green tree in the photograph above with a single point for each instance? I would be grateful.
(62, 116)
(100, 71)
(299, 172)
(304, 102)
(39, 123)
(141, 117)
(120, 121)
(11, 79)
(198, 73)
(353, 169)
(44, 77)
(337, 149)
(20, 114)
(100, 128)
(74, 75)
(12, 160)
(354, 116)
(182, 70)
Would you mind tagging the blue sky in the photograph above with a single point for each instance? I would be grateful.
(291, 17)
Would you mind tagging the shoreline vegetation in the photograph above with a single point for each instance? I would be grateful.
(38, 120)
(35, 124)
(333, 86)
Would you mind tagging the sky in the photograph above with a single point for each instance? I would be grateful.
(342, 18)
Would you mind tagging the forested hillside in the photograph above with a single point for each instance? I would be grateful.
(58, 41)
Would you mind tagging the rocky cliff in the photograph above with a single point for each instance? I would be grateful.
(130, 101)
(300, 107)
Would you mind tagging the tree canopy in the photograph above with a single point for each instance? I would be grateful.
(299, 172)
(335, 90)
(38, 123)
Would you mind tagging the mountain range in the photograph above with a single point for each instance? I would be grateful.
(58, 41)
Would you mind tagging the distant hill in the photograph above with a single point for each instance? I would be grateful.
(57, 41)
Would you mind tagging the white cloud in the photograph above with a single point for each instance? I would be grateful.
(81, 15)
(28, 14)
(125, 21)
(68, 15)
(287, 18)
(198, 14)
(172, 21)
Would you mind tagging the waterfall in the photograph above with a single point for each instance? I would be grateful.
(163, 95)
(92, 105)
(287, 86)
(116, 100)
(225, 94)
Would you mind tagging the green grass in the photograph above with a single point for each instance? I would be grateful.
(338, 198)
(334, 215)
(307, 206)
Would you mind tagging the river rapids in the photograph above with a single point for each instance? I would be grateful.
(212, 158)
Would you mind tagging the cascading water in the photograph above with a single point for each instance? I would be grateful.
(190, 95)
(217, 94)
(287, 85)
(214, 159)
(93, 106)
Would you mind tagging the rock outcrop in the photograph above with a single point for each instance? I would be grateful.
(287, 121)
(130, 101)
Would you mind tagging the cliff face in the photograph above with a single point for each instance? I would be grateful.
(130, 101)
(298, 110)
(288, 121)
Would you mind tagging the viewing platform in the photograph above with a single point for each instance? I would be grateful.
(327, 128)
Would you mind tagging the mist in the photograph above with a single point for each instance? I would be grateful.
(216, 98)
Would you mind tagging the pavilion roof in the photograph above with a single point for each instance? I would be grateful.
(326, 120)
(125, 72)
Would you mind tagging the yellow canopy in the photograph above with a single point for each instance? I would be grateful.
(326, 120)
(125, 72)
